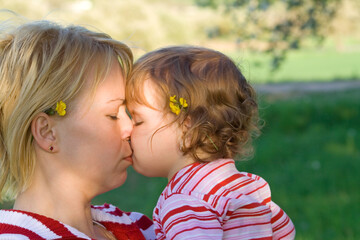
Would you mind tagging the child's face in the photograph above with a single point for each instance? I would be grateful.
(155, 149)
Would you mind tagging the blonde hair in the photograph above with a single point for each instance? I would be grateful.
(42, 63)
(222, 104)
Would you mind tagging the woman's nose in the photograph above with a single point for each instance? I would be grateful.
(126, 127)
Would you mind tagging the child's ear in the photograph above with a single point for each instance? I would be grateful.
(42, 129)
(186, 124)
(184, 128)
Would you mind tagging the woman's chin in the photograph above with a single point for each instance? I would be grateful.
(121, 179)
(117, 181)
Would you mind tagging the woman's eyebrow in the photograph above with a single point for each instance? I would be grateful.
(121, 100)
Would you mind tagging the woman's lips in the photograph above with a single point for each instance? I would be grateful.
(129, 159)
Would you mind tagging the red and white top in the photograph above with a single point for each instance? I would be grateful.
(215, 201)
(21, 225)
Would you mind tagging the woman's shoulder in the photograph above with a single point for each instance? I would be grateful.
(17, 224)
(108, 214)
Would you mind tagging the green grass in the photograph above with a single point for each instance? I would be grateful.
(309, 152)
(323, 64)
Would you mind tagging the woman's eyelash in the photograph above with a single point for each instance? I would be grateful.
(113, 117)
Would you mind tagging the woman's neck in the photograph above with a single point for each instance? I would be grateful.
(57, 200)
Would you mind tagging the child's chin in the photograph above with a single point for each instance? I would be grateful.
(144, 172)
(140, 170)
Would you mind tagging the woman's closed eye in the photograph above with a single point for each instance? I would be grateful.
(113, 116)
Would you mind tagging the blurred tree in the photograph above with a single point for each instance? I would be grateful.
(274, 26)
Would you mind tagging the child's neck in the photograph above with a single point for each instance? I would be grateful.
(183, 162)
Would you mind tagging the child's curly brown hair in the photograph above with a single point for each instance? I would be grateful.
(222, 107)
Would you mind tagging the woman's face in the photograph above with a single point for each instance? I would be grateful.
(94, 137)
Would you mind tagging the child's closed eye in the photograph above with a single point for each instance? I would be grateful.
(138, 123)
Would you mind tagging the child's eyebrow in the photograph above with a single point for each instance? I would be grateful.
(134, 112)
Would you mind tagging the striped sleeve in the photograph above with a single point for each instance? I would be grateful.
(185, 217)
(144, 223)
(283, 228)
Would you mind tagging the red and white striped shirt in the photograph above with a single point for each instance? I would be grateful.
(215, 201)
(21, 225)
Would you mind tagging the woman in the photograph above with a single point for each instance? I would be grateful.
(62, 110)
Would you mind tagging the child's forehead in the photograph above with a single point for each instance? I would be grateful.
(146, 93)
(142, 109)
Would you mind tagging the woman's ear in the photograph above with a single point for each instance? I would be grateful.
(42, 129)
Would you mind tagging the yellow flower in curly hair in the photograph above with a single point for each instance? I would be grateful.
(60, 108)
(173, 99)
(183, 102)
(175, 106)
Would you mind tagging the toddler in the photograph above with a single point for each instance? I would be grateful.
(193, 113)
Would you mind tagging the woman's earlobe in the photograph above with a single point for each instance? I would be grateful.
(43, 132)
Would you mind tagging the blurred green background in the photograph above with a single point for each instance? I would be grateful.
(309, 150)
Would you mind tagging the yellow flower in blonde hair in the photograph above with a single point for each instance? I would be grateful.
(60, 108)
(176, 106)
